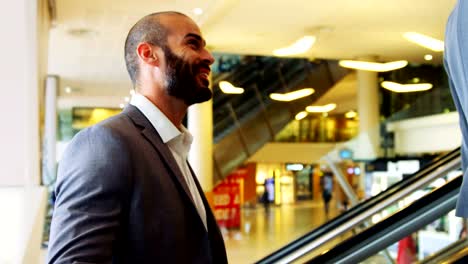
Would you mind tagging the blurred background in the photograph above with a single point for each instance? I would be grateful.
(332, 134)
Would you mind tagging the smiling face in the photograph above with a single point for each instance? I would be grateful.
(187, 62)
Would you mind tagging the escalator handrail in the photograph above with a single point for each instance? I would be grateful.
(447, 253)
(397, 226)
(365, 209)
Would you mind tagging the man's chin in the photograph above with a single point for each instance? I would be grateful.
(203, 94)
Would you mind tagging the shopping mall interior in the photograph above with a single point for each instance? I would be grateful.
(332, 136)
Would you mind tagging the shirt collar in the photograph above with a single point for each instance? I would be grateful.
(160, 122)
(181, 143)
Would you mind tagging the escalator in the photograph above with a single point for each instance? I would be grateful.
(375, 238)
(456, 252)
(244, 123)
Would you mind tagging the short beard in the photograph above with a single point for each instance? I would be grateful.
(181, 79)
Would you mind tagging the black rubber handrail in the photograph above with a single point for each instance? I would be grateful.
(399, 225)
(358, 209)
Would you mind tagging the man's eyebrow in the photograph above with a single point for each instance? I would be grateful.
(196, 36)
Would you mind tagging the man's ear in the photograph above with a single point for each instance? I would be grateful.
(147, 53)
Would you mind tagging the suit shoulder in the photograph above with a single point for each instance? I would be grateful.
(115, 127)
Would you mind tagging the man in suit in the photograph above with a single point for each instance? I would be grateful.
(125, 192)
(456, 65)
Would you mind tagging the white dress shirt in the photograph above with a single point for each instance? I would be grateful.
(178, 141)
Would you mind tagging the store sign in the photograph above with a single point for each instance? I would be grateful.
(294, 166)
(227, 199)
(227, 204)
(346, 154)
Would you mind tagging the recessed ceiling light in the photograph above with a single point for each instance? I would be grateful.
(78, 32)
(121, 106)
(428, 57)
(301, 115)
(198, 11)
(291, 96)
(373, 66)
(227, 88)
(68, 89)
(127, 99)
(425, 41)
(300, 46)
(351, 114)
(406, 88)
(320, 108)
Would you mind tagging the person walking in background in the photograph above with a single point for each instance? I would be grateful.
(326, 182)
(266, 197)
(456, 66)
(125, 192)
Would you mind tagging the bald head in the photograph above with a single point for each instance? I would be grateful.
(149, 29)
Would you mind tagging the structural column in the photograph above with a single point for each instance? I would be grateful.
(200, 125)
(50, 131)
(24, 24)
(368, 109)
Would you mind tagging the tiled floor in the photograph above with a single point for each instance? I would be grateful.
(263, 232)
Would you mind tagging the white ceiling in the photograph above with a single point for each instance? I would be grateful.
(86, 44)
(343, 94)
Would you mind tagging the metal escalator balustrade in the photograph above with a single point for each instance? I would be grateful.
(244, 123)
(263, 74)
(453, 253)
(399, 225)
(364, 210)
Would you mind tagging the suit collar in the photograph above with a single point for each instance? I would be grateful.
(165, 128)
(150, 133)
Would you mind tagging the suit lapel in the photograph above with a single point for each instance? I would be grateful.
(209, 215)
(150, 133)
(218, 248)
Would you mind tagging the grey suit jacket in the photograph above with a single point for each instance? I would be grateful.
(456, 65)
(121, 198)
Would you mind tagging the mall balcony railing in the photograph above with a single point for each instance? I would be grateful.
(394, 107)
(319, 128)
(400, 106)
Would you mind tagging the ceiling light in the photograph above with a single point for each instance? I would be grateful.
(320, 108)
(121, 106)
(373, 66)
(425, 41)
(301, 115)
(351, 114)
(127, 99)
(228, 88)
(406, 88)
(198, 11)
(428, 57)
(300, 46)
(291, 96)
(68, 89)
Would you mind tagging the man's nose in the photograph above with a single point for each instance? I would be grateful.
(207, 57)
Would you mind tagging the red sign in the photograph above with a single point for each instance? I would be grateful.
(227, 204)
